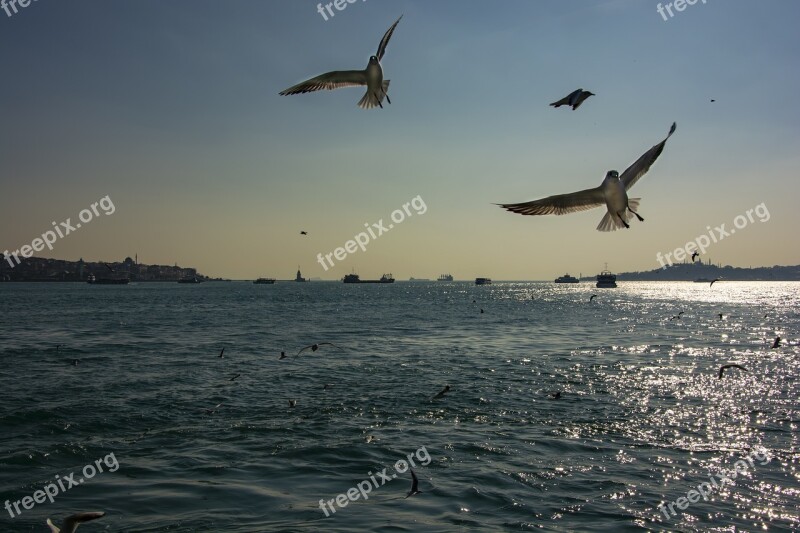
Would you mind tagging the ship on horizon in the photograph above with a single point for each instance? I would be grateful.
(354, 278)
(483, 281)
(264, 281)
(566, 278)
(606, 280)
(445, 277)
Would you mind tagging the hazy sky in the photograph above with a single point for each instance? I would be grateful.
(171, 108)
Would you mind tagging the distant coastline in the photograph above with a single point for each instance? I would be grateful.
(693, 271)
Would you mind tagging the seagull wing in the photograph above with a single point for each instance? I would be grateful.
(330, 344)
(560, 204)
(329, 81)
(304, 349)
(643, 164)
(385, 40)
(72, 522)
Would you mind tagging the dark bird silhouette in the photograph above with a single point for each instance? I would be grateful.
(234, 377)
(713, 281)
(372, 77)
(721, 316)
(414, 485)
(283, 356)
(695, 254)
(315, 347)
(292, 403)
(442, 392)
(677, 317)
(555, 395)
(723, 367)
(303, 233)
(573, 99)
(592, 297)
(71, 523)
(221, 356)
(777, 343)
(481, 310)
(713, 100)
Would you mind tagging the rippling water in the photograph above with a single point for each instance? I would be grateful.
(642, 418)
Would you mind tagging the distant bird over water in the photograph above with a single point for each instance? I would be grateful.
(221, 354)
(777, 343)
(612, 192)
(414, 485)
(695, 254)
(442, 392)
(677, 317)
(292, 403)
(303, 233)
(71, 523)
(283, 356)
(592, 297)
(315, 347)
(574, 99)
(724, 367)
(372, 77)
(713, 281)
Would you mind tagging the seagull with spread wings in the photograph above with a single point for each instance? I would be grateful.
(315, 347)
(372, 77)
(613, 192)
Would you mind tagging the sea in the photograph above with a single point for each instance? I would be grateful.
(564, 412)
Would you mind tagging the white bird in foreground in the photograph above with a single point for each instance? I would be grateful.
(612, 192)
(372, 77)
(71, 523)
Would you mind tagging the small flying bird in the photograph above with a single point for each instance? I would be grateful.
(108, 267)
(414, 485)
(695, 254)
(292, 403)
(372, 77)
(777, 343)
(213, 409)
(713, 281)
(71, 523)
(221, 356)
(283, 356)
(481, 310)
(713, 100)
(592, 297)
(613, 192)
(315, 347)
(677, 317)
(234, 377)
(574, 99)
(723, 367)
(442, 392)
(303, 233)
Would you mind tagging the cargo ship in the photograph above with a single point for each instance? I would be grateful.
(445, 277)
(483, 281)
(264, 281)
(354, 278)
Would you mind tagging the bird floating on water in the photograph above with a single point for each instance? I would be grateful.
(372, 77)
(777, 343)
(613, 192)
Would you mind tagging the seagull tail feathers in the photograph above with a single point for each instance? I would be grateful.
(371, 100)
(613, 223)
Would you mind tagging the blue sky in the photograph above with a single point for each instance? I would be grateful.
(172, 110)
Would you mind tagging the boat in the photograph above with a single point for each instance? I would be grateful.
(264, 281)
(194, 279)
(606, 280)
(354, 278)
(445, 277)
(92, 280)
(566, 278)
(483, 281)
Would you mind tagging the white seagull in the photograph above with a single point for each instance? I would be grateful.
(612, 192)
(372, 77)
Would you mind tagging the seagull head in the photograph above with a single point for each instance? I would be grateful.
(373, 60)
(612, 174)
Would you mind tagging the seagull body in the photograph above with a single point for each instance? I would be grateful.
(574, 99)
(613, 192)
(221, 354)
(303, 233)
(723, 367)
(442, 392)
(414, 485)
(777, 343)
(714, 281)
(71, 523)
(592, 297)
(372, 77)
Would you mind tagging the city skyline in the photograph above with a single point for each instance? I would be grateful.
(174, 112)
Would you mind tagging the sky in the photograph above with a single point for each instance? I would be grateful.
(171, 110)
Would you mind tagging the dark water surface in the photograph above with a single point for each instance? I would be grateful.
(642, 418)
